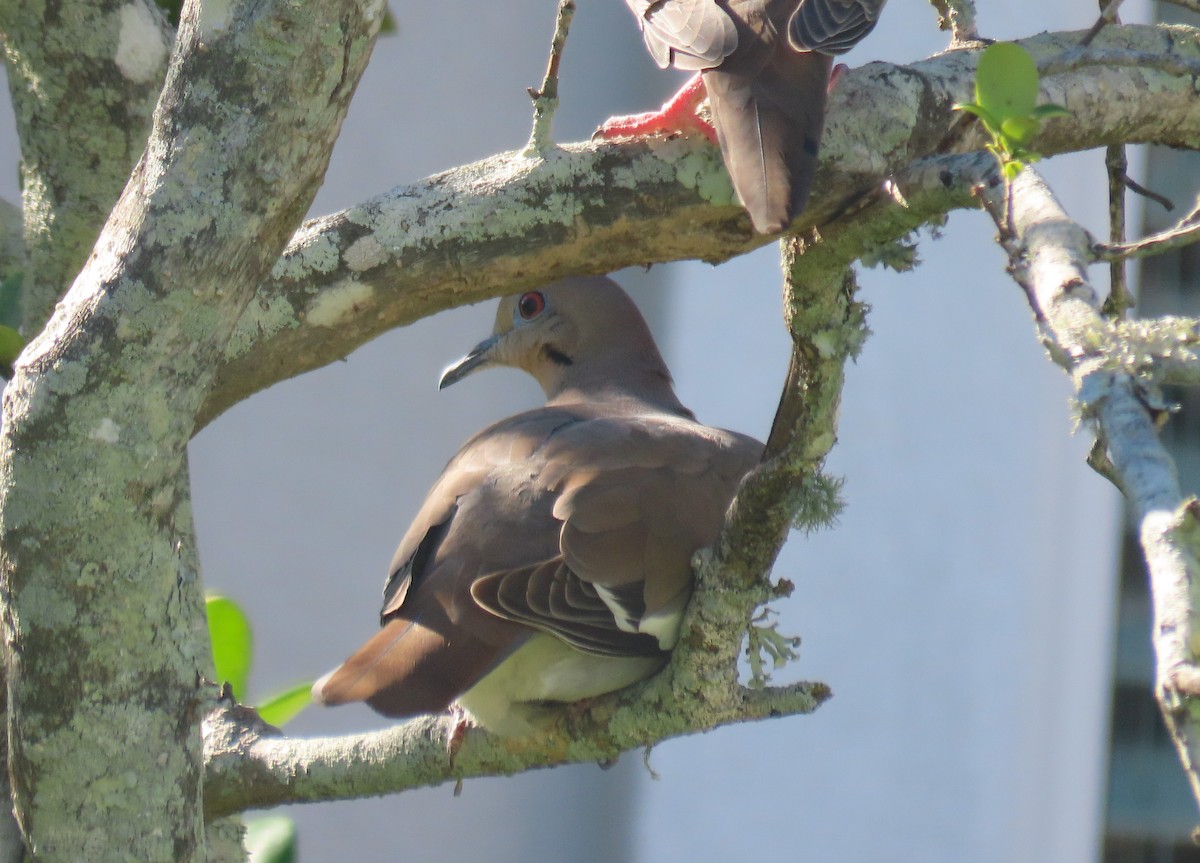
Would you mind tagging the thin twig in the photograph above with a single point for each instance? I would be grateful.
(545, 99)
(957, 16)
(1118, 301)
(1138, 189)
(1108, 15)
(1183, 233)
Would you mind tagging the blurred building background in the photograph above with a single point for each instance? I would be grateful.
(1150, 813)
(963, 610)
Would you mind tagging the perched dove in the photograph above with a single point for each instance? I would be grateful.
(551, 561)
(765, 65)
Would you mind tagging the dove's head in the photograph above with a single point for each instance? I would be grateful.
(580, 336)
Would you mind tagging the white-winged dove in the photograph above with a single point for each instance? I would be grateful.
(551, 561)
(765, 65)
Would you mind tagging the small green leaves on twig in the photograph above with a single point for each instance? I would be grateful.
(283, 707)
(11, 342)
(270, 839)
(232, 643)
(233, 653)
(1006, 89)
(11, 345)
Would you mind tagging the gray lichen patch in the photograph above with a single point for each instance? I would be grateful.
(262, 319)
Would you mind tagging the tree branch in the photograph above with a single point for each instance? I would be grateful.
(1048, 256)
(1115, 163)
(1183, 233)
(250, 767)
(103, 614)
(510, 222)
(84, 77)
(545, 98)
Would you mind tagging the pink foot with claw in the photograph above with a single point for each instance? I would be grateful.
(678, 114)
(458, 731)
(835, 75)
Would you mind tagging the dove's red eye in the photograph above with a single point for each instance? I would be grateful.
(531, 305)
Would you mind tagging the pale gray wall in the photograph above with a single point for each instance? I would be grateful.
(961, 609)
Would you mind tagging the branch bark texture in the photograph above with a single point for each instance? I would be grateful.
(515, 221)
(179, 314)
(1049, 254)
(84, 78)
(105, 643)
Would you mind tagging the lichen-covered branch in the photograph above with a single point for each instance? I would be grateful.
(1155, 351)
(105, 643)
(84, 77)
(12, 241)
(511, 221)
(1048, 256)
(249, 766)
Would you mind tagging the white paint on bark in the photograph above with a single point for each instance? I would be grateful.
(332, 307)
(141, 50)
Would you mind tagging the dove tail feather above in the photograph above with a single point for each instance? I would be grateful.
(766, 66)
(769, 125)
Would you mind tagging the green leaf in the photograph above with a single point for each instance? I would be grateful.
(10, 299)
(388, 26)
(1020, 130)
(11, 344)
(1045, 112)
(971, 108)
(271, 839)
(1006, 83)
(283, 707)
(232, 643)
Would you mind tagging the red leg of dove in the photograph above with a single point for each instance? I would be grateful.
(680, 113)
